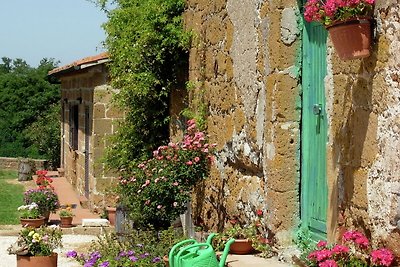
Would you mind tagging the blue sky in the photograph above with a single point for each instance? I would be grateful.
(65, 30)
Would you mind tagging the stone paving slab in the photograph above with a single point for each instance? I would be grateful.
(253, 261)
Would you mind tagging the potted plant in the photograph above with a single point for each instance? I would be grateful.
(42, 180)
(249, 238)
(66, 216)
(35, 247)
(348, 24)
(45, 198)
(30, 215)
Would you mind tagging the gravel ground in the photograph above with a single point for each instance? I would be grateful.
(70, 242)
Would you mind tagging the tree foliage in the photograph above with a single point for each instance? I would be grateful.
(148, 48)
(26, 95)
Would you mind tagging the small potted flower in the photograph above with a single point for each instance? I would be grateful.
(348, 23)
(35, 247)
(66, 216)
(30, 215)
(45, 198)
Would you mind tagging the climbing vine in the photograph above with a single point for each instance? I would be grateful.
(148, 47)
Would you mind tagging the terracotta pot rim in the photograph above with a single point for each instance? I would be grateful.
(354, 20)
(34, 256)
(40, 218)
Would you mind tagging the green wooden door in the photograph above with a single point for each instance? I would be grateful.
(314, 131)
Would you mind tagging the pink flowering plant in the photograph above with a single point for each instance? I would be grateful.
(157, 191)
(331, 11)
(354, 252)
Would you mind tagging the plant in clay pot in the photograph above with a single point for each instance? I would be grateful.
(35, 247)
(66, 216)
(249, 238)
(45, 198)
(30, 215)
(348, 23)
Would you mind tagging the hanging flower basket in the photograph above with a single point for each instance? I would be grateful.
(351, 38)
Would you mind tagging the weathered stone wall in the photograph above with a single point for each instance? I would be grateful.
(243, 62)
(13, 163)
(363, 101)
(89, 89)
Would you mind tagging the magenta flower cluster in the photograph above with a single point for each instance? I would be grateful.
(354, 252)
(329, 11)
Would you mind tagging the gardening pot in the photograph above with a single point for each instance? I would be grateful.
(35, 261)
(32, 222)
(351, 38)
(111, 215)
(66, 222)
(242, 246)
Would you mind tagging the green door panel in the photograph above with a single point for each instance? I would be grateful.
(314, 131)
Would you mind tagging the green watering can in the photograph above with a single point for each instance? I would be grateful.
(190, 253)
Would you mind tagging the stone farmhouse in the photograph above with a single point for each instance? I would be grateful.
(88, 117)
(311, 139)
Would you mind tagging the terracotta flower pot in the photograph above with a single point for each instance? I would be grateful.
(351, 38)
(33, 261)
(242, 246)
(32, 222)
(46, 215)
(66, 222)
(166, 260)
(111, 215)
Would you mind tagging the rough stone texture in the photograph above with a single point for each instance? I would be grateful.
(363, 105)
(89, 90)
(245, 57)
(13, 163)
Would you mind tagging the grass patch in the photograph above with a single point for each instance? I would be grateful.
(11, 197)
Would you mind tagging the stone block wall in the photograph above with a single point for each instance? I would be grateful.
(364, 139)
(13, 163)
(89, 90)
(244, 65)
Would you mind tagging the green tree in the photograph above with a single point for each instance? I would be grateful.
(25, 96)
(148, 48)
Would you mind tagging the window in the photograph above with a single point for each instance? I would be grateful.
(73, 126)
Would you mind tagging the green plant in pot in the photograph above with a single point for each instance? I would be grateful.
(35, 247)
(248, 237)
(45, 198)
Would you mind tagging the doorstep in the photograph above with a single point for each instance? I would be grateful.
(253, 261)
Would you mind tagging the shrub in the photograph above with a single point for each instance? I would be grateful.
(139, 248)
(159, 188)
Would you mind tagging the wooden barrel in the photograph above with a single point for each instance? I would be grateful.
(25, 169)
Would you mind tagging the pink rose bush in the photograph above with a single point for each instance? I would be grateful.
(159, 188)
(330, 11)
(355, 251)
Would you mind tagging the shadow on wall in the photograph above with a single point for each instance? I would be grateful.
(352, 110)
(216, 201)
